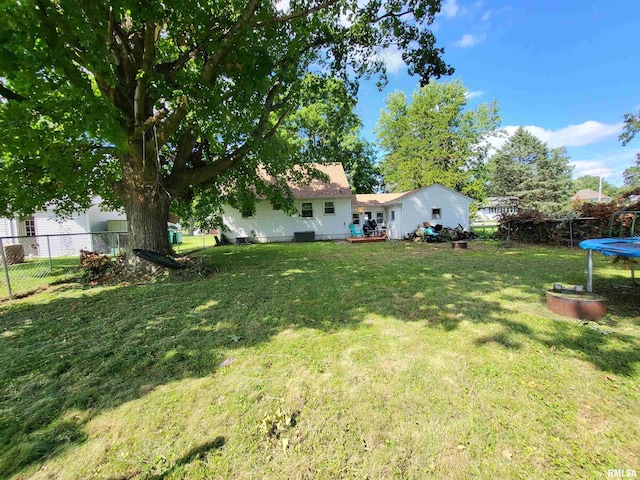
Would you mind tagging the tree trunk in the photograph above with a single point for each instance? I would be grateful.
(147, 210)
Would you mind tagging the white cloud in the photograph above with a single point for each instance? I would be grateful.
(392, 57)
(469, 40)
(585, 133)
(609, 164)
(450, 8)
(475, 94)
(487, 15)
(592, 167)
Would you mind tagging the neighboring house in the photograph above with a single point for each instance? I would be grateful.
(494, 207)
(43, 232)
(323, 208)
(403, 213)
(589, 195)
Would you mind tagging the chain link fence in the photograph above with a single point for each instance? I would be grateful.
(29, 263)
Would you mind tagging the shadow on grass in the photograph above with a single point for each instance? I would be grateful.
(67, 360)
(199, 452)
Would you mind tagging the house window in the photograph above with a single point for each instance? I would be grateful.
(30, 227)
(329, 208)
(307, 210)
(247, 212)
(436, 214)
(393, 215)
(379, 218)
(355, 218)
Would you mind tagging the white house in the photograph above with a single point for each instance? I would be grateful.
(402, 213)
(495, 207)
(324, 209)
(43, 233)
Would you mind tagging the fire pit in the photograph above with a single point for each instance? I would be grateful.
(575, 303)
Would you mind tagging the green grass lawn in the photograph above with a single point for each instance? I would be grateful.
(195, 242)
(36, 273)
(484, 231)
(326, 361)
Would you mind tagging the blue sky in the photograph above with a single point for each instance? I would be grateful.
(566, 70)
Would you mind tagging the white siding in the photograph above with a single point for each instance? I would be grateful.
(394, 222)
(98, 220)
(61, 243)
(416, 209)
(60, 237)
(8, 227)
(272, 225)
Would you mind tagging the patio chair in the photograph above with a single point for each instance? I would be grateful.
(355, 231)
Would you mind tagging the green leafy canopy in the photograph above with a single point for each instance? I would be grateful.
(152, 103)
(435, 139)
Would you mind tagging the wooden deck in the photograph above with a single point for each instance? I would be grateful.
(365, 239)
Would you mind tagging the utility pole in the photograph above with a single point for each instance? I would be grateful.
(600, 189)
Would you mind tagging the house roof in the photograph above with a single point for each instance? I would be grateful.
(589, 194)
(338, 185)
(374, 199)
(383, 199)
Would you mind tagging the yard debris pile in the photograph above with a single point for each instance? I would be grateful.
(437, 233)
(101, 269)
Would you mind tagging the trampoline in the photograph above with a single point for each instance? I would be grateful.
(620, 247)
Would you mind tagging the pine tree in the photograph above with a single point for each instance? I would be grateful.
(527, 169)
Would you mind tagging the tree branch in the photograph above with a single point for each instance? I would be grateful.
(170, 125)
(10, 94)
(212, 67)
(180, 179)
(151, 121)
(140, 96)
(170, 69)
(184, 150)
(392, 15)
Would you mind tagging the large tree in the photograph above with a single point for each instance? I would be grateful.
(149, 103)
(435, 139)
(328, 129)
(527, 169)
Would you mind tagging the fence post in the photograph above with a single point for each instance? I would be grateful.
(6, 270)
(49, 254)
(570, 233)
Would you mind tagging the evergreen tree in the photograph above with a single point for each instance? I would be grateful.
(512, 166)
(527, 169)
